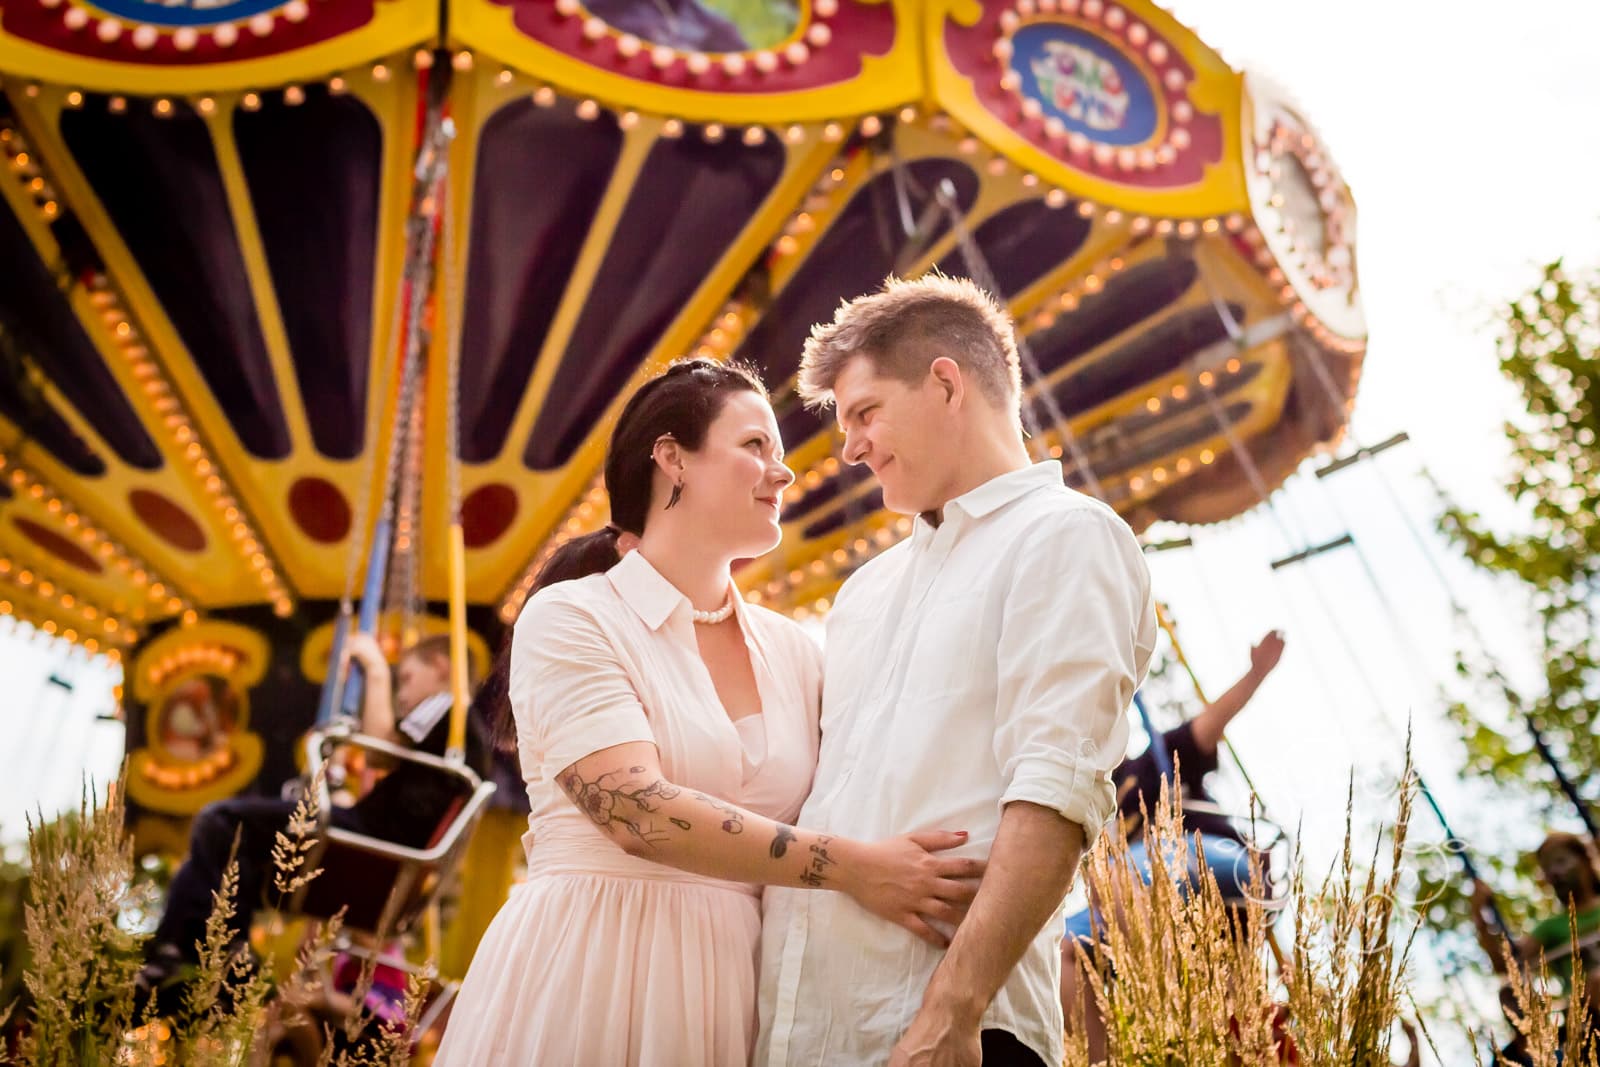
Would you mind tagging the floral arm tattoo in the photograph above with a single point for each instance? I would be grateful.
(625, 804)
(637, 809)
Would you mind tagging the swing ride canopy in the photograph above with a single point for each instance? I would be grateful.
(205, 211)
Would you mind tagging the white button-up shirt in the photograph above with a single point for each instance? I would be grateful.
(986, 660)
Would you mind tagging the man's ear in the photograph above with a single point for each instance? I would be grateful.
(946, 373)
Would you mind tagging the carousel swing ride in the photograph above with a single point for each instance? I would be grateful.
(310, 297)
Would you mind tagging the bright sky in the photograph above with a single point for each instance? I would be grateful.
(1462, 128)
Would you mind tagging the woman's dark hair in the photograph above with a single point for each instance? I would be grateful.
(681, 403)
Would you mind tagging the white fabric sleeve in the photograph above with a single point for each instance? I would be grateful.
(1075, 642)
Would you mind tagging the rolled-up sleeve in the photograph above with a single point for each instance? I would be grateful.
(569, 692)
(1076, 640)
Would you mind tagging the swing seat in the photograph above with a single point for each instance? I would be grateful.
(1228, 858)
(384, 887)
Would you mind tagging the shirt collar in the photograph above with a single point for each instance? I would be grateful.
(643, 589)
(1001, 490)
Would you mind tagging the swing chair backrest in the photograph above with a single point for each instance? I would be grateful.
(383, 886)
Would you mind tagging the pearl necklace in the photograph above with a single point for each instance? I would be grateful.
(711, 618)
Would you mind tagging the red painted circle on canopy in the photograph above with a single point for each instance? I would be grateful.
(320, 510)
(169, 521)
(58, 546)
(486, 513)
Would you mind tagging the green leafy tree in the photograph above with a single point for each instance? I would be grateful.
(1549, 342)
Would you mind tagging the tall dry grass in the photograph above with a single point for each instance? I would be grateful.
(1180, 977)
(81, 1005)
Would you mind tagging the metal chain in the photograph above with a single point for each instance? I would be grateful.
(452, 303)
(401, 477)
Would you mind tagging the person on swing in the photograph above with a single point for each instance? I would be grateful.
(403, 807)
(977, 674)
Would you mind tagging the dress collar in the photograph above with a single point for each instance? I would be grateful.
(649, 594)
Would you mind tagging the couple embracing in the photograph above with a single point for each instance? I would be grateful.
(744, 849)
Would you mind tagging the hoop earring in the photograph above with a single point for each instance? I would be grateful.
(677, 494)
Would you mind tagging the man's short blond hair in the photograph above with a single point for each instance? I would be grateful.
(905, 326)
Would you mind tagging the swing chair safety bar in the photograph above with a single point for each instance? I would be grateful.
(1167, 546)
(1565, 950)
(1363, 453)
(1314, 550)
(317, 744)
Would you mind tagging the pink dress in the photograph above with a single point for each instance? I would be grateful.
(600, 958)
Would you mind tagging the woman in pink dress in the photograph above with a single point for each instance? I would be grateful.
(668, 734)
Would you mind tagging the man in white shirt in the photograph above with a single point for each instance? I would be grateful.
(977, 678)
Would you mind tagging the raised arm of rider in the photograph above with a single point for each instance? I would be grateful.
(377, 696)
